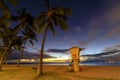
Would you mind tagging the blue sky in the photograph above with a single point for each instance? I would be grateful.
(94, 25)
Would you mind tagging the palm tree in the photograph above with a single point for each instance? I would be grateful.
(18, 45)
(3, 23)
(5, 11)
(28, 35)
(6, 38)
(48, 20)
(4, 7)
(26, 22)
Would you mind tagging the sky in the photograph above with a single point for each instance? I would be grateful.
(93, 25)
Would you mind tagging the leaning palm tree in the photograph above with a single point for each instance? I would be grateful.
(25, 22)
(6, 44)
(18, 45)
(56, 16)
(28, 36)
(3, 23)
(5, 11)
(4, 7)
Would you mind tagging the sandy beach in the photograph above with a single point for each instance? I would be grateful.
(52, 72)
(88, 72)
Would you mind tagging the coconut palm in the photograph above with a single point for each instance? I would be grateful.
(48, 20)
(6, 37)
(4, 7)
(5, 11)
(25, 22)
(28, 35)
(28, 31)
(3, 23)
(18, 45)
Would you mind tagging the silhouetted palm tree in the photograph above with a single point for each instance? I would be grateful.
(26, 22)
(18, 45)
(28, 35)
(6, 37)
(56, 16)
(4, 7)
(3, 26)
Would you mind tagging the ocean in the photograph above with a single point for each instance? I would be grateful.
(66, 63)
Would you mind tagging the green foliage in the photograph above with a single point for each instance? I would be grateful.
(51, 27)
(5, 9)
(16, 37)
(56, 16)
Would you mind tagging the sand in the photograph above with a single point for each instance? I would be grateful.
(87, 72)
(52, 72)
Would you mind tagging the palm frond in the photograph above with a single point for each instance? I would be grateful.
(4, 22)
(61, 23)
(15, 18)
(51, 27)
(68, 11)
(31, 42)
(58, 10)
(14, 2)
(42, 26)
(64, 17)
(5, 9)
(38, 20)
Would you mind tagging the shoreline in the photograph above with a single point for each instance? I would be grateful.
(66, 64)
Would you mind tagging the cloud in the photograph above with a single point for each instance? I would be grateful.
(64, 51)
(106, 23)
(77, 29)
(94, 28)
(111, 48)
(66, 38)
(112, 17)
(107, 49)
(34, 49)
(79, 43)
(117, 46)
(112, 14)
(114, 32)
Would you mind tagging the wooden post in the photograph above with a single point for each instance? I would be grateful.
(76, 65)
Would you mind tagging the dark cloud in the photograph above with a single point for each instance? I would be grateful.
(103, 54)
(111, 48)
(117, 46)
(58, 50)
(107, 49)
(26, 55)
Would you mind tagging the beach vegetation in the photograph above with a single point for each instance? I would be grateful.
(48, 20)
(16, 37)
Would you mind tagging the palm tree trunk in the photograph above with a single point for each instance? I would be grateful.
(19, 60)
(2, 60)
(40, 66)
(3, 57)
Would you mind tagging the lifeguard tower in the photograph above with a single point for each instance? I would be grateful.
(75, 51)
